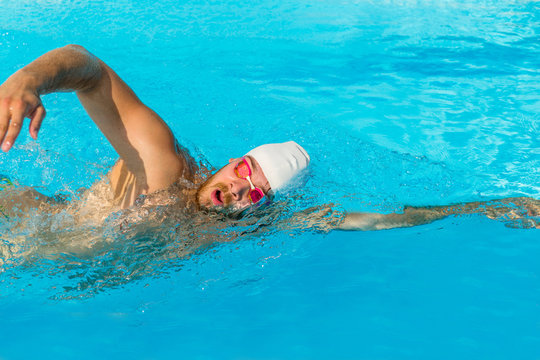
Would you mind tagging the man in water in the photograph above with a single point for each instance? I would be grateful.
(150, 158)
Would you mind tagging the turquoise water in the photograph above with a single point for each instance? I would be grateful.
(398, 102)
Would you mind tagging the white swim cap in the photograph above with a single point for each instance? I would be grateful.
(280, 162)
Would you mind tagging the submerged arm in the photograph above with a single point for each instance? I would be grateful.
(139, 135)
(519, 212)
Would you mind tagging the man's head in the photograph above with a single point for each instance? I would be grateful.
(267, 168)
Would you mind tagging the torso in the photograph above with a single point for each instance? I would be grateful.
(124, 185)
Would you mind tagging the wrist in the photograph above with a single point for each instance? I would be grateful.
(28, 80)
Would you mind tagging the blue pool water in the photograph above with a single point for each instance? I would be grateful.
(398, 103)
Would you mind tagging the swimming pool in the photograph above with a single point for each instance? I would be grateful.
(398, 102)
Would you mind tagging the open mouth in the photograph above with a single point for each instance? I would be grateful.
(217, 197)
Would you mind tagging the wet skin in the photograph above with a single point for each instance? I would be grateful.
(149, 150)
(225, 189)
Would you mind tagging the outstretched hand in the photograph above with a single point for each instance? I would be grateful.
(520, 212)
(18, 100)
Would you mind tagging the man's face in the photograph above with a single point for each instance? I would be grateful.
(225, 189)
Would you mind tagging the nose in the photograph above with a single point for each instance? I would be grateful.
(239, 189)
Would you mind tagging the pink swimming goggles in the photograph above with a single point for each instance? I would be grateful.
(243, 171)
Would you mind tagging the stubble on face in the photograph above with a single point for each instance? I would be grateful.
(207, 188)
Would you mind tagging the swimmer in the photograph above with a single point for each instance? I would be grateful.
(151, 159)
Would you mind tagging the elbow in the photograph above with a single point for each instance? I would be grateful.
(78, 51)
(91, 69)
(75, 47)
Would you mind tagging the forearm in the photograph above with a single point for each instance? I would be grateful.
(70, 68)
(138, 134)
(411, 216)
(64, 69)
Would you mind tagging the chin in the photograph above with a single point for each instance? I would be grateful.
(203, 202)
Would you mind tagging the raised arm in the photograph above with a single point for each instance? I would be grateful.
(519, 212)
(141, 138)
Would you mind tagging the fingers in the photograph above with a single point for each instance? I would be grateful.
(14, 128)
(12, 115)
(523, 224)
(36, 119)
(5, 115)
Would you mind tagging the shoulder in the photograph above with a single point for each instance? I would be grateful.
(127, 185)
